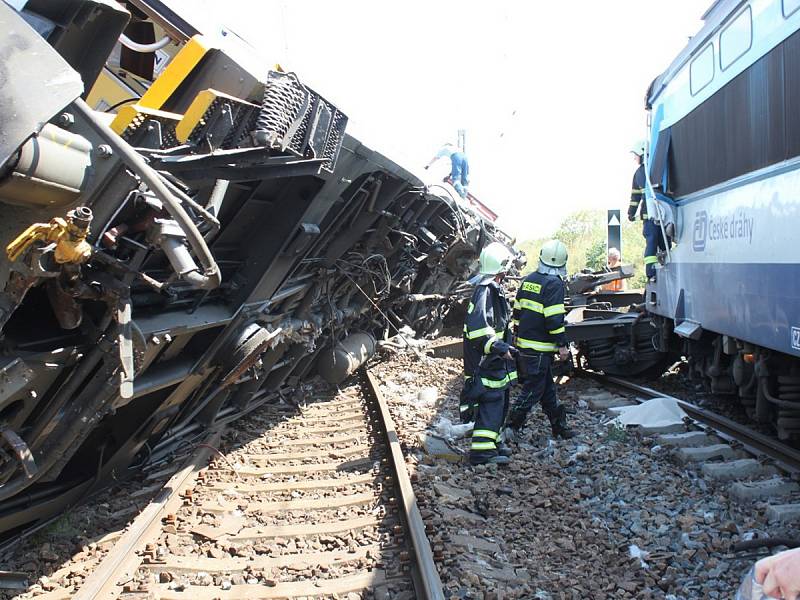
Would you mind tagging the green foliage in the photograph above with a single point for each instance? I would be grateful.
(65, 527)
(596, 255)
(584, 233)
(616, 433)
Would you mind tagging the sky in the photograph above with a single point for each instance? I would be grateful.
(550, 93)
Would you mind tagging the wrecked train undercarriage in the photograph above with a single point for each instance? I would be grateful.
(176, 263)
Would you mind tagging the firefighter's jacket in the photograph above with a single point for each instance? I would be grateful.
(637, 195)
(538, 315)
(486, 338)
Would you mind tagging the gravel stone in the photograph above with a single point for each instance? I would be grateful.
(564, 514)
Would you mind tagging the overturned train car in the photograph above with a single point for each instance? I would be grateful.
(194, 248)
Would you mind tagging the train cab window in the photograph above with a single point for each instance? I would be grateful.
(736, 38)
(701, 71)
(790, 7)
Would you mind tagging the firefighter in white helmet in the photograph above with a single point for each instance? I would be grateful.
(538, 321)
(488, 358)
(654, 241)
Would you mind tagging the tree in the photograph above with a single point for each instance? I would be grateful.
(584, 233)
(596, 255)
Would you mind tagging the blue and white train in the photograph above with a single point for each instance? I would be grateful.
(723, 170)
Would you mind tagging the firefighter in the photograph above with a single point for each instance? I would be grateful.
(654, 241)
(538, 320)
(488, 358)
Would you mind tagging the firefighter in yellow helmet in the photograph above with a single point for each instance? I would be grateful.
(488, 358)
(538, 320)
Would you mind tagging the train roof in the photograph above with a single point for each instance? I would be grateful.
(713, 18)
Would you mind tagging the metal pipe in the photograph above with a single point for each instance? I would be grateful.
(754, 544)
(218, 195)
(211, 277)
(144, 48)
(764, 384)
(373, 197)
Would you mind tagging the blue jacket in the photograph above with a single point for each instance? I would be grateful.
(485, 337)
(637, 195)
(539, 314)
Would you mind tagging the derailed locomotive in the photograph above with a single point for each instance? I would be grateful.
(187, 237)
(723, 174)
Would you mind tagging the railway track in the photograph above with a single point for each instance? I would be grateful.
(320, 506)
(754, 442)
(756, 467)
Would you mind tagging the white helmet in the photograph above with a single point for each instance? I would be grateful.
(553, 258)
(495, 258)
(638, 148)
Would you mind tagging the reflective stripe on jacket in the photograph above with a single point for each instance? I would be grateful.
(488, 317)
(637, 195)
(539, 313)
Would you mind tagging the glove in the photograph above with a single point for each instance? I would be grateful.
(630, 217)
(426, 167)
(500, 348)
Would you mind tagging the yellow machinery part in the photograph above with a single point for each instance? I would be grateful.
(176, 72)
(131, 115)
(71, 244)
(108, 91)
(196, 113)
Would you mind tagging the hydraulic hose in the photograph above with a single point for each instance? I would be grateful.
(211, 276)
(144, 48)
(787, 404)
(209, 218)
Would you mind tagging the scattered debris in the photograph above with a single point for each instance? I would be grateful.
(600, 516)
(658, 412)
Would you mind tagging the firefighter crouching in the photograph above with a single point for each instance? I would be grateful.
(488, 359)
(538, 320)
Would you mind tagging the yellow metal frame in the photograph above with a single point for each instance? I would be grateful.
(128, 113)
(176, 72)
(110, 90)
(198, 109)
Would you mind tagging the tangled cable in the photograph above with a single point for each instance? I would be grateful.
(374, 265)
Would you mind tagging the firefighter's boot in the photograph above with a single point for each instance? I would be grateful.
(558, 423)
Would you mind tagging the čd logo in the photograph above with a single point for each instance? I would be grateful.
(700, 231)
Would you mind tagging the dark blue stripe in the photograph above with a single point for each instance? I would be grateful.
(737, 182)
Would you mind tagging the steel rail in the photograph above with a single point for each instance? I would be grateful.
(428, 574)
(756, 443)
(125, 557)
